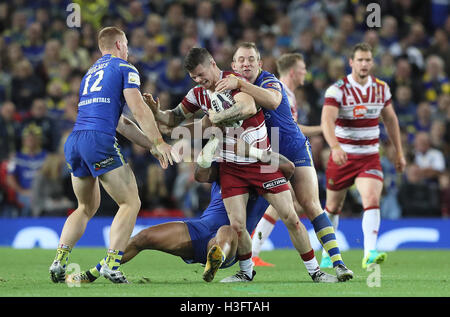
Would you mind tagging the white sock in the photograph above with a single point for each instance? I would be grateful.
(312, 265)
(262, 232)
(334, 219)
(310, 261)
(246, 266)
(370, 227)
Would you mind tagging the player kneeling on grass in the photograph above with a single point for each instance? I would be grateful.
(210, 239)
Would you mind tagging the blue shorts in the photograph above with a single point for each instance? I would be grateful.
(298, 151)
(92, 153)
(203, 229)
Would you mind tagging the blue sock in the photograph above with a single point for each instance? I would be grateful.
(325, 233)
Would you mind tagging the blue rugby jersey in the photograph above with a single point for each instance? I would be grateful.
(101, 94)
(282, 116)
(25, 167)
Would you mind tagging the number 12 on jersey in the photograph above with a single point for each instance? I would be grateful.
(95, 86)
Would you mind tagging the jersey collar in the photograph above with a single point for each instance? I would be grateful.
(353, 82)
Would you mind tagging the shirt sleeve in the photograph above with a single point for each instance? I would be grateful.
(271, 83)
(333, 96)
(130, 76)
(387, 95)
(190, 102)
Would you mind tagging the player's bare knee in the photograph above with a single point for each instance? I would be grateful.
(371, 200)
(141, 241)
(226, 234)
(272, 212)
(294, 226)
(238, 228)
(332, 209)
(226, 230)
(133, 205)
(88, 210)
(288, 216)
(232, 233)
(135, 202)
(311, 207)
(138, 204)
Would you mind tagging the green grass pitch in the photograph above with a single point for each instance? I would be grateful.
(406, 273)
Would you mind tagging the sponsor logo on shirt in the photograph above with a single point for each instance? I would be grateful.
(134, 79)
(273, 85)
(359, 111)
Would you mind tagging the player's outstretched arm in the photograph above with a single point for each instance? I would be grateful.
(134, 134)
(310, 130)
(199, 125)
(146, 120)
(170, 118)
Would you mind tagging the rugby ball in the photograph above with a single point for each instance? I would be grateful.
(221, 102)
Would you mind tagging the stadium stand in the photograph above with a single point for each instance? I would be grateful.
(42, 61)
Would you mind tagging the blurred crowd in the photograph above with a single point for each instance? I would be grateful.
(42, 61)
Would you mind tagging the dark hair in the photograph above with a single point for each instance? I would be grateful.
(365, 47)
(195, 57)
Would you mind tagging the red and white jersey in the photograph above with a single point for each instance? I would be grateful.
(357, 128)
(292, 102)
(253, 130)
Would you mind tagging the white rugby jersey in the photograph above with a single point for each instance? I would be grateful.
(357, 128)
(292, 102)
(253, 130)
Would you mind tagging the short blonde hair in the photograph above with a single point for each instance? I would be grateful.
(108, 36)
(286, 61)
(247, 45)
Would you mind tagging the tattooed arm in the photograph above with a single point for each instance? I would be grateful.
(170, 118)
(244, 108)
(198, 125)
